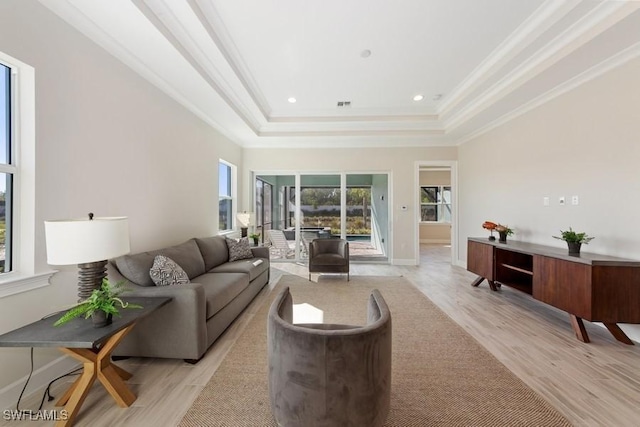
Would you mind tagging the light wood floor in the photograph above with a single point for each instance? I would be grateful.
(596, 384)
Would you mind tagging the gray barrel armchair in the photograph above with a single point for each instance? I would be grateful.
(329, 256)
(325, 375)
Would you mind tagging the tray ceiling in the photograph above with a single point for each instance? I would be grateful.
(236, 63)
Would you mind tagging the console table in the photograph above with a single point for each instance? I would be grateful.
(91, 346)
(597, 288)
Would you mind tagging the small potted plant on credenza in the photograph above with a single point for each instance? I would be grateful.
(574, 240)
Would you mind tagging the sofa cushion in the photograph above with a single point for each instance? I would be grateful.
(221, 288)
(329, 259)
(214, 251)
(239, 249)
(246, 266)
(166, 272)
(136, 267)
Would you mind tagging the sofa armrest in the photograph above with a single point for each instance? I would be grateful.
(261, 252)
(177, 330)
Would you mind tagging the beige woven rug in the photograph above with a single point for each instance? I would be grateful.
(441, 376)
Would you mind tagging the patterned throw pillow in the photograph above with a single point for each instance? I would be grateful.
(239, 249)
(166, 272)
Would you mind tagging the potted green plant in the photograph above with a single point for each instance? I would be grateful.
(255, 237)
(101, 306)
(503, 231)
(574, 240)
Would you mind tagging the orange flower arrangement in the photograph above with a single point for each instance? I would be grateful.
(488, 225)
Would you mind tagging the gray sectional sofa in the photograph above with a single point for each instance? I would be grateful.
(201, 310)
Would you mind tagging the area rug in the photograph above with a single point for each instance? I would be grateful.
(441, 376)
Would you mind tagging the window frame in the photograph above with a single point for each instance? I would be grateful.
(233, 178)
(439, 204)
(22, 278)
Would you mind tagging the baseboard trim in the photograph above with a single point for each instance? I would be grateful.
(444, 241)
(39, 380)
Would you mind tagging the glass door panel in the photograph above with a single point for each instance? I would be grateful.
(273, 220)
(367, 215)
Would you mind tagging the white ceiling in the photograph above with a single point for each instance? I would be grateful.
(235, 63)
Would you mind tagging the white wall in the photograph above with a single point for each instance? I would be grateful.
(107, 142)
(400, 162)
(586, 143)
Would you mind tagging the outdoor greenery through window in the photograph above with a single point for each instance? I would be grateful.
(7, 169)
(226, 195)
(435, 203)
(320, 207)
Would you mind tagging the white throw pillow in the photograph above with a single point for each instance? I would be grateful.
(166, 272)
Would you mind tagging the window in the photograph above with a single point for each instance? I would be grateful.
(17, 178)
(226, 195)
(7, 168)
(435, 203)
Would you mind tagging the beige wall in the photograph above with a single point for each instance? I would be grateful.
(435, 233)
(585, 143)
(400, 162)
(107, 142)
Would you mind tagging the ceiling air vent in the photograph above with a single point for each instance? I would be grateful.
(344, 103)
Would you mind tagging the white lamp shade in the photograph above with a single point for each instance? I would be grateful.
(79, 241)
(246, 219)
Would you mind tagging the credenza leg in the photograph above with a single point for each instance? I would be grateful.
(477, 281)
(578, 328)
(492, 285)
(618, 333)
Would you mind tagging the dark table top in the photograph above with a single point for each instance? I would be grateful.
(79, 332)
(560, 253)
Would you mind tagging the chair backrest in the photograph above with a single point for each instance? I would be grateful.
(331, 246)
(277, 239)
(329, 375)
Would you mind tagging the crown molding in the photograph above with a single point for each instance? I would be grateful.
(611, 63)
(214, 25)
(530, 30)
(71, 14)
(163, 18)
(594, 23)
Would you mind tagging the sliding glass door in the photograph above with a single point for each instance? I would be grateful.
(303, 207)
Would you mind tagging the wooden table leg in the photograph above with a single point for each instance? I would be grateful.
(477, 281)
(492, 285)
(578, 328)
(96, 364)
(618, 333)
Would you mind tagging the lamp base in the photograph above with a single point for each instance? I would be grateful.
(90, 278)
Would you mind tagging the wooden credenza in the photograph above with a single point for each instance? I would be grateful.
(597, 288)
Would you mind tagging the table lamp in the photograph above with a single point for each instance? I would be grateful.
(89, 243)
(245, 219)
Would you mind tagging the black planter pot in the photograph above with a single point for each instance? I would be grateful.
(503, 237)
(101, 319)
(574, 248)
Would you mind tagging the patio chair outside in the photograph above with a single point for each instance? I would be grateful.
(279, 243)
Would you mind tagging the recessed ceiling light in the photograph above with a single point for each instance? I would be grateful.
(292, 100)
(365, 53)
(418, 98)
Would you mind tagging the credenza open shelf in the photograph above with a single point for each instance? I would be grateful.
(592, 287)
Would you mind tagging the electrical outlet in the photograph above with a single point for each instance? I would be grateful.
(561, 200)
(575, 201)
(545, 201)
